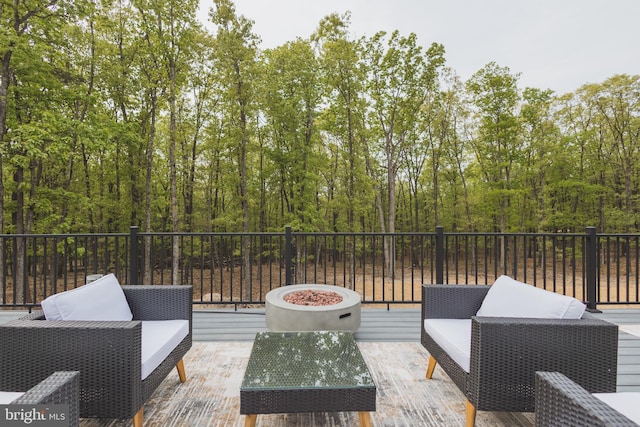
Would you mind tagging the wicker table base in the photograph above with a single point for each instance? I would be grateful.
(306, 372)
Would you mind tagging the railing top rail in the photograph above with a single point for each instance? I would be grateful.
(65, 235)
(527, 234)
(210, 233)
(357, 233)
(316, 233)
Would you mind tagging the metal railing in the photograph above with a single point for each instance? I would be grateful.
(236, 269)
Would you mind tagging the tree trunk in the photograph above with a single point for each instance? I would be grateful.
(389, 242)
(172, 152)
(18, 220)
(148, 265)
(4, 86)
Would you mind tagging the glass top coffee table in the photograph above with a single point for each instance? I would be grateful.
(292, 372)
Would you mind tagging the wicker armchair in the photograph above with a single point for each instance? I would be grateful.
(107, 353)
(57, 388)
(506, 352)
(561, 402)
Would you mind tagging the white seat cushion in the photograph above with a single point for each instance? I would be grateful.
(627, 403)
(159, 338)
(7, 397)
(454, 336)
(510, 298)
(102, 299)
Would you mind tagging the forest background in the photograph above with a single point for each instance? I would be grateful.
(121, 113)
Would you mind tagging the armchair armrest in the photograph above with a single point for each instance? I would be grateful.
(452, 301)
(510, 350)
(101, 350)
(560, 401)
(62, 387)
(59, 387)
(160, 302)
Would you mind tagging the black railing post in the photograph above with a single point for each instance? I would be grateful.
(288, 263)
(591, 260)
(439, 254)
(133, 255)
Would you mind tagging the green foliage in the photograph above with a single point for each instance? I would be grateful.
(130, 113)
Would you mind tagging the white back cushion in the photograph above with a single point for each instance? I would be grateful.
(627, 403)
(159, 338)
(454, 336)
(510, 298)
(102, 299)
(7, 397)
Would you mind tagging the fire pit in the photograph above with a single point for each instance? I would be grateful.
(312, 308)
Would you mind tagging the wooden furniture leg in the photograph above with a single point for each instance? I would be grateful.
(431, 367)
(250, 420)
(138, 417)
(181, 372)
(471, 415)
(365, 419)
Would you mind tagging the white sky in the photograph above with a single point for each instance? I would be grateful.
(553, 44)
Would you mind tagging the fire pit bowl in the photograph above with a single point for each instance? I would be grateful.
(282, 316)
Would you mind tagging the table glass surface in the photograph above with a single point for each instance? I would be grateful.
(292, 360)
